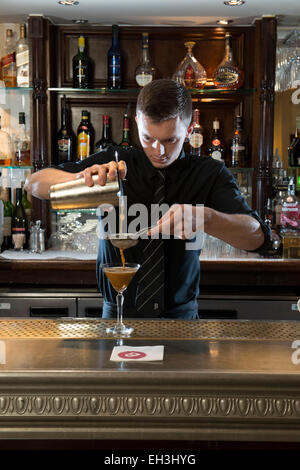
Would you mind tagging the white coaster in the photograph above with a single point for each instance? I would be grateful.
(137, 354)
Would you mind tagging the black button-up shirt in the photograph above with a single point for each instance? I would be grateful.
(189, 180)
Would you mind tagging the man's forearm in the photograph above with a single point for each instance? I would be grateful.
(38, 184)
(239, 230)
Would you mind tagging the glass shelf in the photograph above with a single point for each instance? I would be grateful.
(23, 88)
(95, 90)
(66, 211)
(194, 91)
(17, 167)
(240, 170)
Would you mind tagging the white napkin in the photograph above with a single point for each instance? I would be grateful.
(137, 354)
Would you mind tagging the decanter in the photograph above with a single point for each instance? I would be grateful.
(190, 72)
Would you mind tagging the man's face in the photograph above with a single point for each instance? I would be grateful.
(162, 141)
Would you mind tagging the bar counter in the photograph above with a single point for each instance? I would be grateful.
(219, 381)
(214, 272)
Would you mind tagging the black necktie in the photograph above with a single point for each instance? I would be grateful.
(150, 292)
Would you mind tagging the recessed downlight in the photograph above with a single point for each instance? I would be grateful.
(234, 3)
(79, 21)
(68, 3)
(224, 22)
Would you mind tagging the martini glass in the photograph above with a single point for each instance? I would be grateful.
(120, 277)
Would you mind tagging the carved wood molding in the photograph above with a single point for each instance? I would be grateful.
(172, 406)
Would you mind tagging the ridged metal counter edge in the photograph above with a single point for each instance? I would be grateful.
(242, 330)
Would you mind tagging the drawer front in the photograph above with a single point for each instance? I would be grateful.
(248, 309)
(44, 307)
(90, 307)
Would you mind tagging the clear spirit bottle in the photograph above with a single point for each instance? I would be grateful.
(144, 73)
(22, 59)
(290, 211)
(190, 72)
(227, 75)
(196, 138)
(22, 144)
(216, 148)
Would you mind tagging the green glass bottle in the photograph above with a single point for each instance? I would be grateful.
(8, 209)
(19, 223)
(81, 66)
(126, 141)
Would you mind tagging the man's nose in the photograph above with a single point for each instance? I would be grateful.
(158, 148)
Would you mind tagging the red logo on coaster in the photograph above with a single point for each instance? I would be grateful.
(132, 355)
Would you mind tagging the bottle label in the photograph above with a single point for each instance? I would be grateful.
(216, 155)
(18, 240)
(224, 78)
(189, 76)
(216, 142)
(23, 79)
(63, 145)
(22, 58)
(290, 215)
(6, 226)
(83, 145)
(22, 158)
(237, 148)
(9, 59)
(196, 140)
(143, 79)
(114, 66)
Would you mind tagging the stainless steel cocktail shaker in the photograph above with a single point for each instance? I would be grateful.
(77, 195)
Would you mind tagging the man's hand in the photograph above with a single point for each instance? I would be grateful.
(181, 220)
(107, 170)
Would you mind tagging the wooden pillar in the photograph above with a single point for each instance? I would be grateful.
(38, 28)
(265, 80)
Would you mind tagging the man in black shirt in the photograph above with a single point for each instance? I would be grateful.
(164, 111)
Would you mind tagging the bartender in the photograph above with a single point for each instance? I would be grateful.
(167, 284)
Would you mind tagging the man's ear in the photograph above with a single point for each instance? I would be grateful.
(136, 119)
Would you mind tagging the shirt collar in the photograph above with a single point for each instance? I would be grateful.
(177, 165)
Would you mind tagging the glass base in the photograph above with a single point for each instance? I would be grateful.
(119, 330)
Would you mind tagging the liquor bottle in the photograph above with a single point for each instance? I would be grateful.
(290, 213)
(7, 217)
(5, 148)
(126, 141)
(227, 75)
(190, 72)
(196, 138)
(238, 149)
(114, 61)
(26, 204)
(81, 66)
(18, 223)
(277, 204)
(294, 147)
(22, 59)
(22, 144)
(106, 135)
(9, 74)
(64, 138)
(144, 73)
(216, 149)
(84, 148)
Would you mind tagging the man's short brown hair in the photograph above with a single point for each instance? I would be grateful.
(165, 99)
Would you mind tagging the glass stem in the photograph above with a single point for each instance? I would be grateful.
(120, 301)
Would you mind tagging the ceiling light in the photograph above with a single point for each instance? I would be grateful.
(234, 3)
(68, 2)
(79, 21)
(224, 22)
